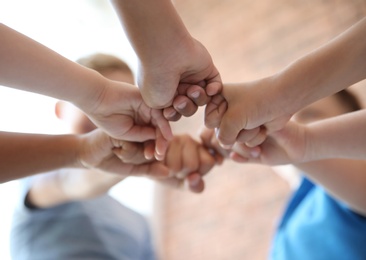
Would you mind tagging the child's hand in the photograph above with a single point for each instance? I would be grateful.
(186, 101)
(280, 147)
(210, 141)
(121, 112)
(188, 159)
(98, 151)
(244, 113)
(172, 71)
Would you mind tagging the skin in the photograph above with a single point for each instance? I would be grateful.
(344, 179)
(268, 103)
(97, 96)
(175, 72)
(186, 161)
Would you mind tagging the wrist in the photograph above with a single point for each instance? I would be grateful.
(314, 147)
(91, 92)
(288, 95)
(91, 149)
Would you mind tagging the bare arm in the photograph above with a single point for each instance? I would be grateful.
(27, 154)
(28, 65)
(338, 137)
(341, 137)
(187, 160)
(65, 185)
(169, 58)
(114, 106)
(325, 71)
(271, 101)
(344, 179)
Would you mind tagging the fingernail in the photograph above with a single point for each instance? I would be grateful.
(225, 146)
(195, 180)
(255, 153)
(171, 113)
(195, 94)
(158, 156)
(182, 105)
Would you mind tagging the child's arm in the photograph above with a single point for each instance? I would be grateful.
(344, 179)
(27, 154)
(169, 58)
(187, 160)
(336, 137)
(70, 184)
(342, 136)
(271, 101)
(65, 185)
(114, 106)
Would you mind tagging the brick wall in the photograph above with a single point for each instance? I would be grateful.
(236, 215)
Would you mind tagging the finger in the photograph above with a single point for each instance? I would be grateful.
(171, 114)
(230, 127)
(246, 135)
(210, 143)
(160, 122)
(214, 111)
(258, 139)
(149, 149)
(198, 95)
(184, 106)
(130, 152)
(161, 146)
(214, 83)
(151, 169)
(190, 158)
(173, 159)
(238, 158)
(245, 151)
(207, 160)
(137, 133)
(195, 183)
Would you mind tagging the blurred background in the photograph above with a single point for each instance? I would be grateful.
(237, 214)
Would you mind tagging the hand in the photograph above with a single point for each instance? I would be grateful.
(211, 143)
(280, 147)
(121, 112)
(245, 113)
(97, 152)
(188, 159)
(181, 78)
(186, 102)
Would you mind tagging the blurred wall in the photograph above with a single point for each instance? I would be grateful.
(236, 215)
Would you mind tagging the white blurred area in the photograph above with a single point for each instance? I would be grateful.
(73, 29)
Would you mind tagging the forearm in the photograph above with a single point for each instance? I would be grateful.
(339, 137)
(327, 70)
(152, 27)
(343, 179)
(28, 65)
(67, 185)
(27, 154)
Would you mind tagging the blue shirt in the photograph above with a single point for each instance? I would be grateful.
(317, 227)
(100, 228)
